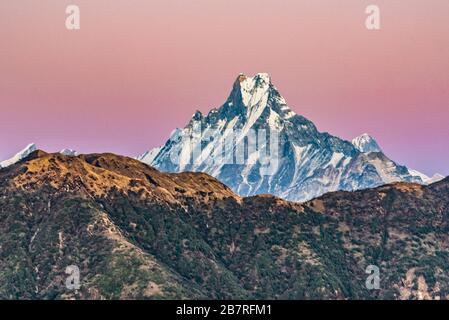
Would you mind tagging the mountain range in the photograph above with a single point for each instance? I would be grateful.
(19, 156)
(137, 233)
(310, 163)
(25, 152)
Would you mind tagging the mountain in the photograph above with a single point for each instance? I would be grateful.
(19, 156)
(303, 163)
(27, 151)
(149, 156)
(426, 179)
(69, 152)
(57, 213)
(435, 178)
(366, 143)
(137, 233)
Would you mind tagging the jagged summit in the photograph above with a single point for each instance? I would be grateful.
(243, 79)
(253, 100)
(249, 96)
(366, 143)
(310, 162)
(250, 90)
(198, 115)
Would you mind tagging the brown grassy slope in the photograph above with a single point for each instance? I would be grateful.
(140, 233)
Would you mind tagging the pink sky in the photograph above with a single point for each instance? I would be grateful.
(137, 69)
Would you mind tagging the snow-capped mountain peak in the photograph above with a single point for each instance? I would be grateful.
(30, 149)
(19, 156)
(435, 178)
(253, 89)
(254, 100)
(69, 152)
(249, 95)
(308, 163)
(365, 143)
(426, 179)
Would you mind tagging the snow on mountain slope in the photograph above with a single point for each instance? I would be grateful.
(435, 178)
(302, 163)
(69, 152)
(416, 173)
(149, 156)
(366, 143)
(426, 179)
(27, 151)
(19, 156)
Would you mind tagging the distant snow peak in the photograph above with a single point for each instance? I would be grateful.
(365, 143)
(27, 151)
(19, 156)
(435, 178)
(69, 152)
(426, 179)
